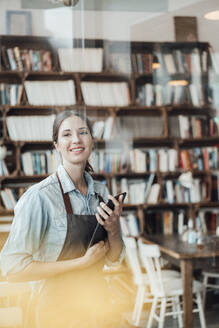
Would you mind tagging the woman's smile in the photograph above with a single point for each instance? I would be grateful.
(77, 150)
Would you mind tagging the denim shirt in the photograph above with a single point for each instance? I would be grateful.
(40, 223)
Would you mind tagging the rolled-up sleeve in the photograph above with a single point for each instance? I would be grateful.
(28, 227)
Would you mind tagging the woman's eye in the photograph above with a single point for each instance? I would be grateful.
(66, 135)
(83, 132)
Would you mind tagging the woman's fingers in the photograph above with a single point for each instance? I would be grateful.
(114, 200)
(99, 220)
(102, 213)
(117, 204)
(106, 208)
(121, 199)
(106, 216)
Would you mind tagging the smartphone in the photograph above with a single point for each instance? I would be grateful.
(110, 204)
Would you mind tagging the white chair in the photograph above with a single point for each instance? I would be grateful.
(166, 291)
(213, 284)
(140, 279)
(12, 312)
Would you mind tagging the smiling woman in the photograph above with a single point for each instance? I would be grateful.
(53, 225)
(72, 132)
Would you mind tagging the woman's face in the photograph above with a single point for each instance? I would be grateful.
(74, 141)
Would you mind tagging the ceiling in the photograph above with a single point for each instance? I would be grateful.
(103, 5)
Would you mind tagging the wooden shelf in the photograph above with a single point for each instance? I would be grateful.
(135, 80)
(194, 142)
(5, 213)
(120, 110)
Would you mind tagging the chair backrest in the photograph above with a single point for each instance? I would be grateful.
(150, 258)
(133, 259)
(12, 315)
(8, 289)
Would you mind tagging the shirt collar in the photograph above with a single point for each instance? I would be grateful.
(68, 185)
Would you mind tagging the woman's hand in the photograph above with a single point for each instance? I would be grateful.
(110, 219)
(95, 253)
(110, 222)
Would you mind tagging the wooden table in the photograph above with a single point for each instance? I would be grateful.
(188, 258)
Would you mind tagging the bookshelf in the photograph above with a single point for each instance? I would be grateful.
(148, 132)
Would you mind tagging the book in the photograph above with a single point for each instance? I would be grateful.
(148, 186)
(184, 126)
(214, 57)
(138, 160)
(132, 224)
(8, 198)
(3, 168)
(136, 190)
(168, 222)
(154, 194)
(163, 160)
(170, 191)
(4, 58)
(181, 219)
(11, 59)
(172, 159)
(17, 57)
(46, 59)
(124, 226)
(108, 128)
(98, 129)
(170, 64)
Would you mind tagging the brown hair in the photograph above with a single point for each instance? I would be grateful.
(61, 117)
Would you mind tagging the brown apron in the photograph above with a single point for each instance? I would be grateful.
(79, 298)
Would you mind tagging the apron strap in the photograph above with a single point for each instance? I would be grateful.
(66, 198)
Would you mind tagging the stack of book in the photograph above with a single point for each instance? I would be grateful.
(81, 59)
(138, 191)
(19, 59)
(39, 162)
(144, 160)
(109, 161)
(141, 126)
(10, 94)
(37, 128)
(165, 222)
(8, 198)
(199, 158)
(105, 93)
(179, 61)
(104, 129)
(51, 93)
(159, 95)
(192, 126)
(175, 192)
